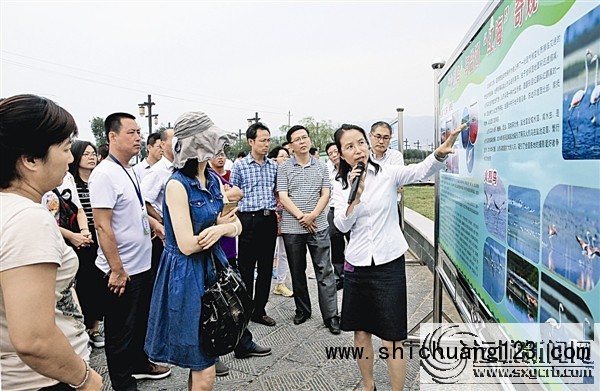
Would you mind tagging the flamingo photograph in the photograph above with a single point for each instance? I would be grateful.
(494, 269)
(580, 93)
(494, 209)
(523, 232)
(572, 252)
(522, 288)
(594, 97)
(564, 314)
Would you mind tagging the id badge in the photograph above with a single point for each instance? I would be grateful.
(146, 224)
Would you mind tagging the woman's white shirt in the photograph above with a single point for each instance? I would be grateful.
(374, 222)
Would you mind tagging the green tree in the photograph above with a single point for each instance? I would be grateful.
(97, 126)
(321, 132)
(241, 145)
(282, 131)
(414, 155)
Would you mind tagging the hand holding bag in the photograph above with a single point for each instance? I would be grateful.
(226, 310)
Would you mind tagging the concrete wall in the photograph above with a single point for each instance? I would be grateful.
(419, 231)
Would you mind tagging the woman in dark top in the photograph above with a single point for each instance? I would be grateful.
(89, 277)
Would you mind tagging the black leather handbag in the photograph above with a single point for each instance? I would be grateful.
(226, 310)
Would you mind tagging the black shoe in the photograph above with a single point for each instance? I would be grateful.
(300, 318)
(258, 351)
(265, 319)
(333, 324)
(221, 369)
(339, 284)
(152, 372)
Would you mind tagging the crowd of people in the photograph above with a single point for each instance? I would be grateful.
(89, 238)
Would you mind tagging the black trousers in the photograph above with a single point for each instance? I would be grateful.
(90, 283)
(125, 325)
(338, 247)
(256, 247)
(157, 250)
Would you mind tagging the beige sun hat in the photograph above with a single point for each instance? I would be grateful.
(195, 136)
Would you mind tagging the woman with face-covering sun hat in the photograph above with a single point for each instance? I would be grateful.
(193, 226)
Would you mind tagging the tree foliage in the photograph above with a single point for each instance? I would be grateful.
(321, 132)
(415, 154)
(97, 127)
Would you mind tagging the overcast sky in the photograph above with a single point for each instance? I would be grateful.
(339, 61)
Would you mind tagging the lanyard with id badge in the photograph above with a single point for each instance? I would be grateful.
(145, 222)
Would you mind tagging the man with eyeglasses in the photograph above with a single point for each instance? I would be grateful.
(304, 188)
(382, 154)
(256, 176)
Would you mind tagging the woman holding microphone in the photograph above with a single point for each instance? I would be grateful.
(374, 299)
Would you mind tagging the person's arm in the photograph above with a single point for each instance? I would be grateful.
(282, 190)
(229, 218)
(151, 187)
(308, 219)
(157, 228)
(106, 239)
(153, 213)
(179, 211)
(234, 193)
(82, 221)
(29, 302)
(346, 215)
(323, 199)
(77, 239)
(432, 163)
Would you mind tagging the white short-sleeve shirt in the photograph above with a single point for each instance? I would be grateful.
(111, 188)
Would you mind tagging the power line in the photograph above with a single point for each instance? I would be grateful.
(250, 106)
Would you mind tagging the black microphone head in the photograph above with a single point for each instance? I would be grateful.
(360, 165)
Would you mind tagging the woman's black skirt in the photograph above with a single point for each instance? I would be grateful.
(375, 300)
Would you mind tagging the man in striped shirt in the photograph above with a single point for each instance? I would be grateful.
(256, 176)
(304, 187)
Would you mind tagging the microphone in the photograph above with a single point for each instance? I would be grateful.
(354, 188)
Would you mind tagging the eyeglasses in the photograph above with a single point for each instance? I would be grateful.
(300, 139)
(89, 154)
(379, 137)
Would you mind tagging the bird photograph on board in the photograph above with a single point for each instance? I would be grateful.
(580, 122)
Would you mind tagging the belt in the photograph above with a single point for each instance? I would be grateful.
(262, 212)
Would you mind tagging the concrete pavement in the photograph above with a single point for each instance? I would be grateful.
(299, 360)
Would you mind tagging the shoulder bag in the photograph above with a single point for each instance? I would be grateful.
(226, 309)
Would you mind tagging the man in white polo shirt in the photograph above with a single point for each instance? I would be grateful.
(154, 154)
(124, 253)
(153, 189)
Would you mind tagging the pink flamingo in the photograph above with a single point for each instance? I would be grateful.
(594, 97)
(578, 97)
(552, 231)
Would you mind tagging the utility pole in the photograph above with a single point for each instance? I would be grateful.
(253, 120)
(430, 147)
(289, 118)
(405, 143)
(142, 110)
(418, 145)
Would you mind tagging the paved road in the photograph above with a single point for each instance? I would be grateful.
(299, 360)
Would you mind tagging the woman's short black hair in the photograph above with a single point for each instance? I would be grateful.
(29, 126)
